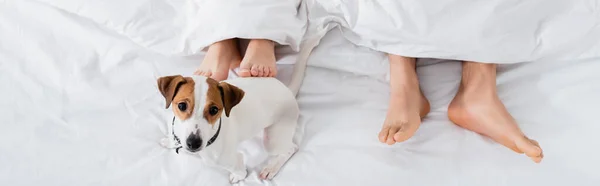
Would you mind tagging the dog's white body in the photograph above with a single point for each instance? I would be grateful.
(267, 105)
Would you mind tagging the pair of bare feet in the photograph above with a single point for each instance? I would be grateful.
(475, 107)
(258, 61)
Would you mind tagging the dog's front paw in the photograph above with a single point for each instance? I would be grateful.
(269, 172)
(238, 176)
(274, 165)
(168, 142)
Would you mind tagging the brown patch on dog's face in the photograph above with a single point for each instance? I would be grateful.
(232, 95)
(183, 103)
(168, 86)
(178, 92)
(214, 102)
(220, 97)
(181, 92)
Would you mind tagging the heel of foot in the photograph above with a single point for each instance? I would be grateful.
(425, 106)
(456, 113)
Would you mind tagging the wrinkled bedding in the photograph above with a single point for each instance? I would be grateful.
(493, 31)
(79, 104)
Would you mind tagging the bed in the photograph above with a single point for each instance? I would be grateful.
(79, 104)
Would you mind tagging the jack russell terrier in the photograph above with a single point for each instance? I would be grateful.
(212, 118)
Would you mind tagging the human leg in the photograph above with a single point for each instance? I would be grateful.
(407, 103)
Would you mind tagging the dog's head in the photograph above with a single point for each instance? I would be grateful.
(198, 103)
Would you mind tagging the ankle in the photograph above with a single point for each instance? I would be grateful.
(474, 94)
(261, 43)
(475, 70)
(478, 84)
(405, 94)
(478, 80)
(224, 50)
(225, 44)
(404, 85)
(401, 59)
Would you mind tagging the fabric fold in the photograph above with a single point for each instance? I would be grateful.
(276, 20)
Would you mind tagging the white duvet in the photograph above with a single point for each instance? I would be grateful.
(79, 104)
(496, 31)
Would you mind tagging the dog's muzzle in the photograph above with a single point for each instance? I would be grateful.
(194, 142)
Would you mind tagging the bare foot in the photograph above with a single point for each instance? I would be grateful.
(476, 107)
(407, 103)
(259, 60)
(404, 116)
(220, 56)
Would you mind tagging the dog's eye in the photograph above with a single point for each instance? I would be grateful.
(182, 106)
(213, 110)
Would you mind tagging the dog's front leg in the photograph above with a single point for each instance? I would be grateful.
(234, 163)
(169, 141)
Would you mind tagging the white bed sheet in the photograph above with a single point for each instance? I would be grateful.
(79, 106)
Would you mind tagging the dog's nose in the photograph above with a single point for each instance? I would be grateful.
(193, 142)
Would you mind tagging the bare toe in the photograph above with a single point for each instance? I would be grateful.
(258, 69)
(396, 130)
(273, 71)
(541, 155)
(392, 132)
(404, 133)
(259, 58)
(254, 70)
(244, 70)
(244, 73)
(261, 72)
(266, 72)
(407, 130)
(530, 148)
(403, 117)
(383, 134)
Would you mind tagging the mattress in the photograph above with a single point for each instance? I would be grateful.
(79, 106)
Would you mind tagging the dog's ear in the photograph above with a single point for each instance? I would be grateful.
(168, 86)
(232, 95)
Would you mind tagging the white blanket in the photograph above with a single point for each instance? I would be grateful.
(79, 104)
(185, 27)
(491, 31)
